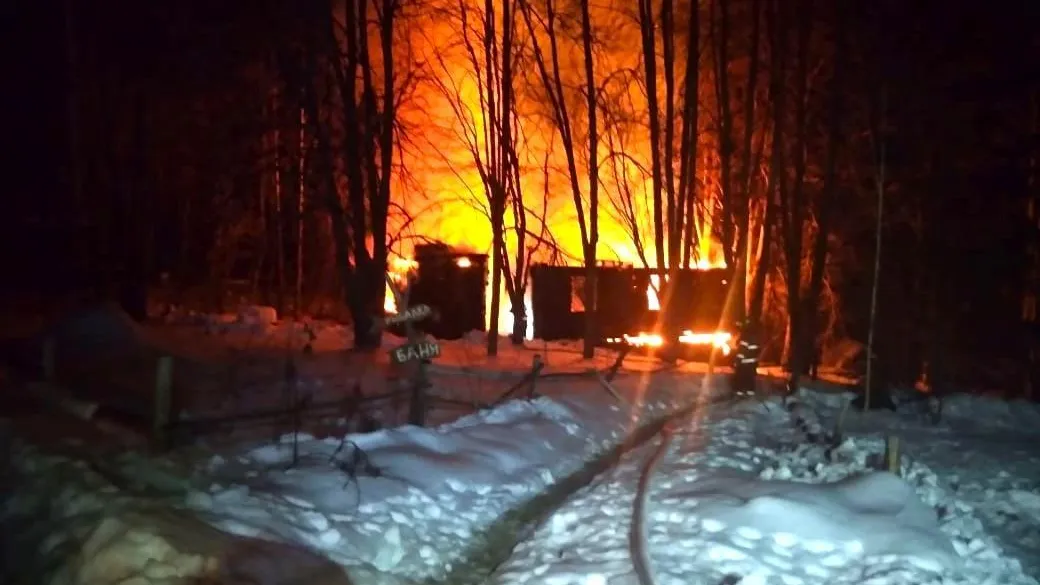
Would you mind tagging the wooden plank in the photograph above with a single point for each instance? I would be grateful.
(409, 315)
(412, 352)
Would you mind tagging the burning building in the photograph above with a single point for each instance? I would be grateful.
(630, 308)
(453, 283)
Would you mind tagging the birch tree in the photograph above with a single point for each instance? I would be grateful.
(544, 28)
(486, 48)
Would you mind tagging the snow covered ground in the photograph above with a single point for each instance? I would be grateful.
(738, 496)
(401, 503)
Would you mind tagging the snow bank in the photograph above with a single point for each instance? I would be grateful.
(258, 315)
(935, 464)
(391, 506)
(72, 526)
(65, 524)
(740, 497)
(871, 514)
(426, 494)
(1018, 415)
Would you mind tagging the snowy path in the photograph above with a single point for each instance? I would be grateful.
(712, 519)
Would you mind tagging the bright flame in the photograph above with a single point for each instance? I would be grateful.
(653, 302)
(505, 317)
(398, 273)
(443, 195)
(720, 339)
(643, 339)
(400, 268)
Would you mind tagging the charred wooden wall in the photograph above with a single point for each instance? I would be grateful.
(695, 300)
(454, 284)
(558, 296)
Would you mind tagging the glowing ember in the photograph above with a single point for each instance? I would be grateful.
(463, 262)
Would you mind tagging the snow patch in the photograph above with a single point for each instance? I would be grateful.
(877, 513)
(257, 315)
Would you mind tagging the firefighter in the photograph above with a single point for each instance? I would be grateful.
(745, 360)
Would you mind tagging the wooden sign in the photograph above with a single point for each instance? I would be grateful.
(410, 352)
(416, 313)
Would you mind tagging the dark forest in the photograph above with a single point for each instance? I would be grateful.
(145, 137)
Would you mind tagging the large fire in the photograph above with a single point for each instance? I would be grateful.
(444, 198)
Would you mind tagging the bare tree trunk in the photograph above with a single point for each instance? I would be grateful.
(383, 119)
(591, 285)
(720, 38)
(672, 209)
(516, 284)
(794, 207)
(300, 195)
(549, 71)
(880, 185)
(743, 209)
(278, 213)
(350, 151)
(503, 150)
(365, 151)
(497, 251)
(510, 172)
(73, 104)
(777, 26)
(688, 139)
(647, 27)
(494, 187)
(491, 143)
(828, 198)
(735, 201)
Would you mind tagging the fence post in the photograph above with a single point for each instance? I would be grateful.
(48, 361)
(892, 454)
(163, 402)
(536, 368)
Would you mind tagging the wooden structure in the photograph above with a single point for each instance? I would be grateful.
(695, 300)
(454, 284)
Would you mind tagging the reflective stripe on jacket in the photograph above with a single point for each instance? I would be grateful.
(747, 352)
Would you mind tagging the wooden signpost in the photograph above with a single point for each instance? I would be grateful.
(417, 350)
(409, 315)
